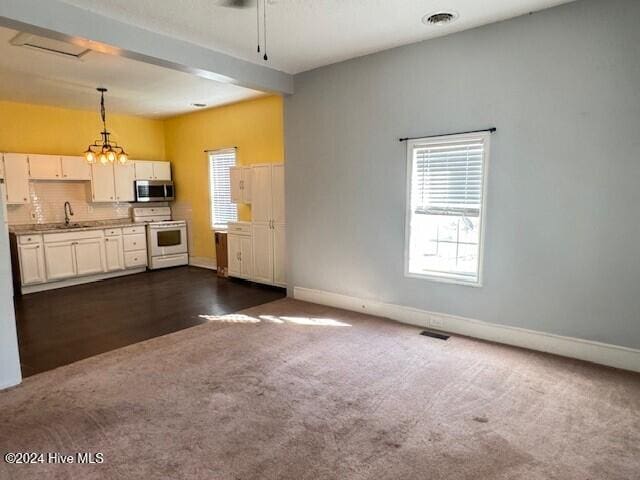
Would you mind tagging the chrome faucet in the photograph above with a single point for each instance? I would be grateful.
(66, 215)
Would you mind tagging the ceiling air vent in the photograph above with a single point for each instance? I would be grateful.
(440, 18)
(48, 45)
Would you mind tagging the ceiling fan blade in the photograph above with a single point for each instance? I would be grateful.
(236, 3)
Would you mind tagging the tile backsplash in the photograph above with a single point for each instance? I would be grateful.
(47, 204)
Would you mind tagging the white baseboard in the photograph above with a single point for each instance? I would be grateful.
(590, 351)
(203, 262)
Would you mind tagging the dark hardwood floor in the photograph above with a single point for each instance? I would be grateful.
(62, 326)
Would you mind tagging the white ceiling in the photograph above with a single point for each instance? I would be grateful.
(134, 87)
(305, 34)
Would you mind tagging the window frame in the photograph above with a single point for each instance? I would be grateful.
(450, 278)
(210, 153)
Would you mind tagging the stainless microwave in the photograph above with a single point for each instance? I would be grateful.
(154, 191)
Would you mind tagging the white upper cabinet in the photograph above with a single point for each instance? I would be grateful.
(123, 176)
(277, 193)
(44, 167)
(102, 183)
(75, 168)
(152, 170)
(261, 194)
(143, 170)
(162, 171)
(16, 177)
(241, 182)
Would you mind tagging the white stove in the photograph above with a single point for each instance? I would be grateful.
(166, 238)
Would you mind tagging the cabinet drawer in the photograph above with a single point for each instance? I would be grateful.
(239, 228)
(110, 232)
(29, 239)
(69, 236)
(135, 259)
(135, 242)
(132, 230)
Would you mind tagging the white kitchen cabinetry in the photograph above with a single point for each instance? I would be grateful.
(268, 225)
(241, 183)
(16, 177)
(135, 246)
(152, 170)
(31, 258)
(44, 167)
(102, 183)
(59, 259)
(239, 250)
(75, 168)
(124, 176)
(89, 255)
(114, 253)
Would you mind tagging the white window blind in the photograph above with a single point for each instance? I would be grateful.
(223, 210)
(444, 233)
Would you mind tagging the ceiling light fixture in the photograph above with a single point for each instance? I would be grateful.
(103, 150)
(199, 105)
(443, 17)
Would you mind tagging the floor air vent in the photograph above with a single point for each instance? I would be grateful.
(439, 336)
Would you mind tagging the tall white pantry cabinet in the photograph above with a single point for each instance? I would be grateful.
(268, 227)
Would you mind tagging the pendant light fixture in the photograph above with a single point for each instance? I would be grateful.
(103, 150)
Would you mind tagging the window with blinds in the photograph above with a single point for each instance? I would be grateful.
(445, 207)
(223, 210)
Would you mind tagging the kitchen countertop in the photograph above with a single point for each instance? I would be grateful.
(34, 229)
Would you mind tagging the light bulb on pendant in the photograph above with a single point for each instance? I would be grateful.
(111, 156)
(103, 159)
(90, 157)
(122, 158)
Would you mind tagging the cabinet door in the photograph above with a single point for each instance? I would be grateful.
(235, 177)
(161, 171)
(247, 184)
(123, 176)
(262, 243)
(31, 264)
(44, 167)
(114, 253)
(16, 177)
(234, 255)
(277, 192)
(89, 255)
(261, 194)
(75, 168)
(279, 249)
(143, 170)
(60, 261)
(102, 183)
(246, 257)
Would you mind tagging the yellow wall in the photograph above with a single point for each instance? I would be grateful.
(254, 126)
(27, 128)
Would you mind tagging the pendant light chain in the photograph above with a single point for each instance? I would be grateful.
(264, 16)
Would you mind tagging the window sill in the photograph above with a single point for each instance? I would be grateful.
(445, 279)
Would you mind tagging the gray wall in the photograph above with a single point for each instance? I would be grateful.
(9, 361)
(562, 251)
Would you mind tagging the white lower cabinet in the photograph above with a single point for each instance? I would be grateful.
(279, 252)
(31, 258)
(55, 257)
(59, 259)
(240, 256)
(89, 255)
(113, 253)
(262, 246)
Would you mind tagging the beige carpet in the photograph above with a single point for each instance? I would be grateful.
(298, 395)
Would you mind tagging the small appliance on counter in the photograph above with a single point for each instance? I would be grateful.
(166, 238)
